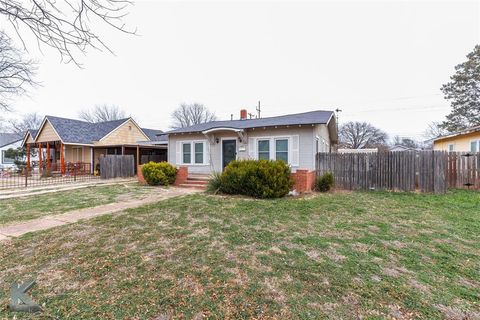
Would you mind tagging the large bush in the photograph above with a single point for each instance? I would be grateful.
(325, 182)
(159, 173)
(256, 178)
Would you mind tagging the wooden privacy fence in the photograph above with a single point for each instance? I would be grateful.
(117, 166)
(426, 171)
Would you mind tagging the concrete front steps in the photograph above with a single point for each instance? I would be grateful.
(197, 181)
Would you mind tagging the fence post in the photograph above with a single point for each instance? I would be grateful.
(74, 172)
(26, 177)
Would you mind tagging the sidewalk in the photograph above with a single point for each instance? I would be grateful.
(47, 222)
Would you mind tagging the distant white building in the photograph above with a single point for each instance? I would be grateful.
(399, 147)
(8, 141)
(367, 150)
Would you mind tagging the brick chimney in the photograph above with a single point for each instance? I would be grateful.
(243, 114)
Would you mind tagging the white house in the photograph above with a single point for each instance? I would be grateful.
(295, 138)
(8, 141)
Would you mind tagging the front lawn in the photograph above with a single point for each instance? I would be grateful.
(344, 255)
(32, 207)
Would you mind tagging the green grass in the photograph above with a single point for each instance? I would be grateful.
(332, 256)
(32, 207)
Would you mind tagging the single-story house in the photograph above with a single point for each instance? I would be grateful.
(400, 148)
(467, 140)
(8, 141)
(296, 139)
(62, 142)
(354, 151)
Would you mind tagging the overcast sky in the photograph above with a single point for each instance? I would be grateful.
(381, 62)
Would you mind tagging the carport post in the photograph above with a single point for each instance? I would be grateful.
(138, 155)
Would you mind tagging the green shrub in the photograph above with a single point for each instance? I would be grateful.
(159, 173)
(215, 183)
(256, 178)
(325, 182)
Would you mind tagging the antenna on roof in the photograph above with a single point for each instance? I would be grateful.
(258, 110)
(337, 111)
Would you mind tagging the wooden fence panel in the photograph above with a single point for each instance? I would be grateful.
(427, 171)
(117, 166)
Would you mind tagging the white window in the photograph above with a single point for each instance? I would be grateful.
(5, 159)
(198, 152)
(285, 148)
(264, 149)
(475, 146)
(186, 153)
(281, 150)
(77, 154)
(451, 147)
(192, 152)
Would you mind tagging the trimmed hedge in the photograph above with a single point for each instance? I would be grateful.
(325, 182)
(159, 173)
(256, 178)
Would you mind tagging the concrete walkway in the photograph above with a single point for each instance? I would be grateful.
(47, 222)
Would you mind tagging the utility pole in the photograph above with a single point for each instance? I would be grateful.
(258, 110)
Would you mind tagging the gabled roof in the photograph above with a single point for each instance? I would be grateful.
(305, 118)
(82, 132)
(459, 133)
(9, 138)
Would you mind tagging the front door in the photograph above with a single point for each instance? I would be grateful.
(229, 151)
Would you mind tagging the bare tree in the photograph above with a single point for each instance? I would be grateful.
(406, 142)
(102, 113)
(16, 72)
(189, 114)
(434, 130)
(27, 121)
(361, 135)
(65, 25)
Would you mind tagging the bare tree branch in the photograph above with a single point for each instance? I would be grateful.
(16, 72)
(27, 121)
(102, 113)
(65, 25)
(360, 135)
(189, 114)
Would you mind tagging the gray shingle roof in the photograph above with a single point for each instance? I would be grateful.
(9, 138)
(312, 117)
(154, 135)
(82, 132)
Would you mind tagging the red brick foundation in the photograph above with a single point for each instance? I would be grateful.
(304, 180)
(182, 175)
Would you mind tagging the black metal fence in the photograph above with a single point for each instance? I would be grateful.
(42, 176)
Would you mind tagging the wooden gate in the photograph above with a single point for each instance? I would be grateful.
(117, 166)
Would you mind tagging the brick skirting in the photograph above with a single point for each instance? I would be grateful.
(304, 180)
(182, 175)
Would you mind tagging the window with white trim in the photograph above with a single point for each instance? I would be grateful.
(475, 146)
(281, 150)
(198, 152)
(5, 159)
(186, 152)
(264, 149)
(451, 147)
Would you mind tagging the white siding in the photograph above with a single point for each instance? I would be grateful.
(305, 136)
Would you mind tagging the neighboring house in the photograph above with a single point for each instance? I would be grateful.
(80, 142)
(366, 150)
(8, 141)
(467, 140)
(295, 139)
(399, 147)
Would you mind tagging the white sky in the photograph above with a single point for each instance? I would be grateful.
(381, 62)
